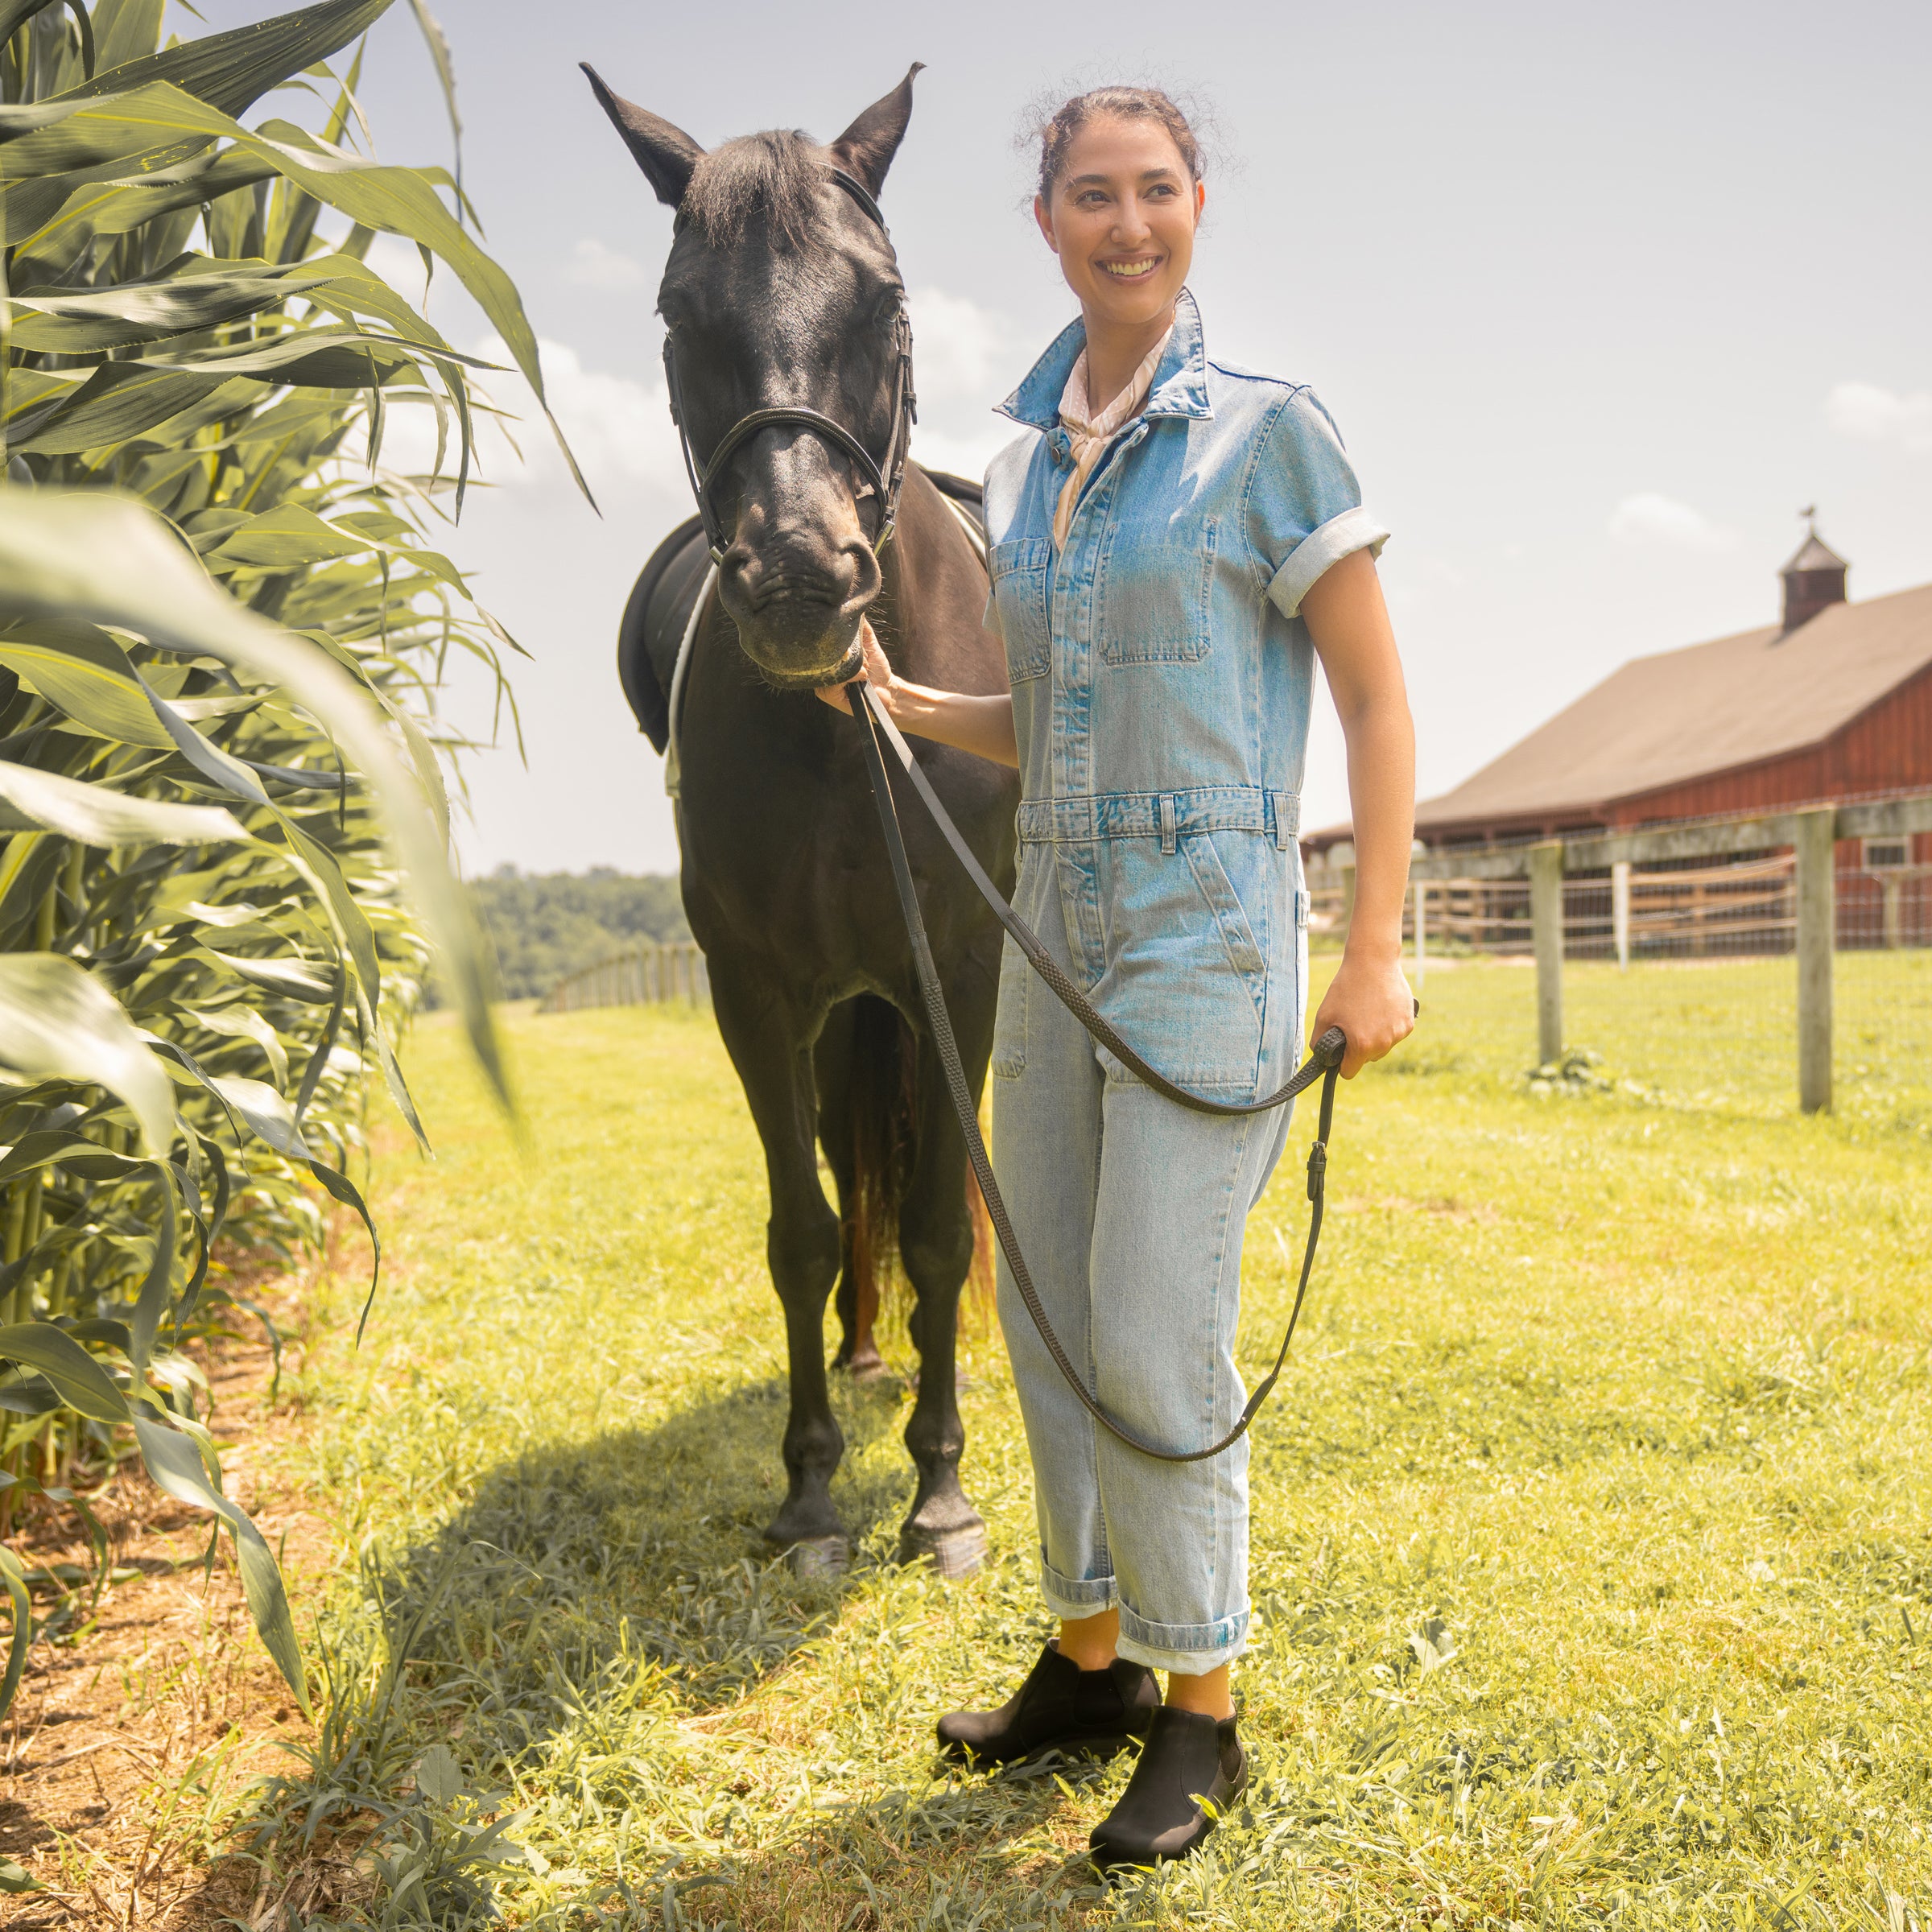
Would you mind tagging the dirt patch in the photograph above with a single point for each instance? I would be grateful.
(147, 1708)
(1443, 1208)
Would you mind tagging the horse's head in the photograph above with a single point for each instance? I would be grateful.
(782, 293)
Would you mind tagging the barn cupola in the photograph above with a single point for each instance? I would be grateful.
(1813, 579)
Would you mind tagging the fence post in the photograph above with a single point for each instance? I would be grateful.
(1422, 924)
(1620, 910)
(1817, 857)
(1547, 936)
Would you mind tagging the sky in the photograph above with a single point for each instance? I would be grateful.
(1599, 297)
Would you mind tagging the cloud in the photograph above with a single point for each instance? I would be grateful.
(960, 349)
(1871, 415)
(595, 264)
(966, 358)
(1649, 518)
(618, 428)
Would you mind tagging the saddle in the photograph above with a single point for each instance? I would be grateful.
(660, 616)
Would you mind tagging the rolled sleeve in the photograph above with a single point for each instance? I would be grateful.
(1339, 537)
(1305, 506)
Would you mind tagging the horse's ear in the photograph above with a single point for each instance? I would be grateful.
(667, 153)
(866, 148)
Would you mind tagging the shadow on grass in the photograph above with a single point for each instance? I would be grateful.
(638, 1555)
(568, 1629)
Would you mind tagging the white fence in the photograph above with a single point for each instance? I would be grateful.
(641, 976)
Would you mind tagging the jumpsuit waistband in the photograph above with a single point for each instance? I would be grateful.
(1166, 815)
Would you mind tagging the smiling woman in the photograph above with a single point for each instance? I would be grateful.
(1172, 541)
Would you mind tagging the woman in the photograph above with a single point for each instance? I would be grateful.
(1173, 542)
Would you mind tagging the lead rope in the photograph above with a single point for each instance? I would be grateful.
(1324, 1060)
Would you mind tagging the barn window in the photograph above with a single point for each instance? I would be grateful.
(1882, 853)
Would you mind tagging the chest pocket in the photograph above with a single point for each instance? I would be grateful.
(1019, 594)
(1156, 595)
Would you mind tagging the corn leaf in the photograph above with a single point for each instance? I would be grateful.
(97, 815)
(57, 1023)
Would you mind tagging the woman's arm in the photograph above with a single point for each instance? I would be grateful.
(983, 726)
(1369, 999)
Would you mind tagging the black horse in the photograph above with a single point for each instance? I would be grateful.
(781, 292)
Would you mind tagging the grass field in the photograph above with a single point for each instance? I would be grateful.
(1592, 1559)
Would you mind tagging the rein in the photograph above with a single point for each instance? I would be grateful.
(1324, 1063)
(882, 477)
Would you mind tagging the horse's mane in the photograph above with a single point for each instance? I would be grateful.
(778, 175)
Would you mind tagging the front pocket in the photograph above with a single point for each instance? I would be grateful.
(1187, 982)
(1157, 597)
(1245, 955)
(1018, 570)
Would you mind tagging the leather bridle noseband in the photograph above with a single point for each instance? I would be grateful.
(884, 477)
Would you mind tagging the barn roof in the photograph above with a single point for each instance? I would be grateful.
(1684, 714)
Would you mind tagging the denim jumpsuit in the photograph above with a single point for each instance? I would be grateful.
(1162, 681)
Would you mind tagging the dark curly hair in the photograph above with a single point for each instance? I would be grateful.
(1057, 130)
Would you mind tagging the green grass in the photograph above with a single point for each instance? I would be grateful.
(1719, 1036)
(1623, 1403)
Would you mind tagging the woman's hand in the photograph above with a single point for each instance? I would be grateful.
(1371, 1002)
(981, 725)
(877, 672)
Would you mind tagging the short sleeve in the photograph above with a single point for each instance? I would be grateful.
(1305, 506)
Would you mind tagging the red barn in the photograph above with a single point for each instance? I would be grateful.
(1833, 703)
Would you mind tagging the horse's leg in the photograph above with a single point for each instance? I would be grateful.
(802, 1245)
(856, 1301)
(935, 1243)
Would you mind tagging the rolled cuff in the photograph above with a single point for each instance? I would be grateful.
(1192, 1649)
(1339, 537)
(1073, 1598)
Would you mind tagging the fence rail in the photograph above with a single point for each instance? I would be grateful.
(1775, 883)
(1739, 906)
(640, 976)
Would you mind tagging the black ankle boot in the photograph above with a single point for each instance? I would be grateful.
(1187, 1757)
(1059, 1708)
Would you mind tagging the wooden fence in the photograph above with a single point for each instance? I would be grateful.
(1741, 906)
(641, 976)
(1764, 884)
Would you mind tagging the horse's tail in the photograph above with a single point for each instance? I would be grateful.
(885, 1060)
(884, 1122)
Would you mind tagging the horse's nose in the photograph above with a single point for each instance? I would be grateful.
(866, 576)
(798, 561)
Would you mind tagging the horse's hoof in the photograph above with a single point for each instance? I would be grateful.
(820, 1556)
(867, 1375)
(953, 1553)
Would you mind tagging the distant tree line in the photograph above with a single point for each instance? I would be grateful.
(544, 925)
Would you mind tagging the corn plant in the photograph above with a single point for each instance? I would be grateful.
(223, 820)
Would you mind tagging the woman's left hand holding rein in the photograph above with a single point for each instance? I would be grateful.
(1368, 998)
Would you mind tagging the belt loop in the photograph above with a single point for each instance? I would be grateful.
(1287, 818)
(1168, 841)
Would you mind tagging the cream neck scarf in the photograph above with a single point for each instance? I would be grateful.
(1091, 434)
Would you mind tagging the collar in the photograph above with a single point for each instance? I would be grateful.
(1180, 383)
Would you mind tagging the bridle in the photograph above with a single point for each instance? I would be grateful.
(884, 477)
